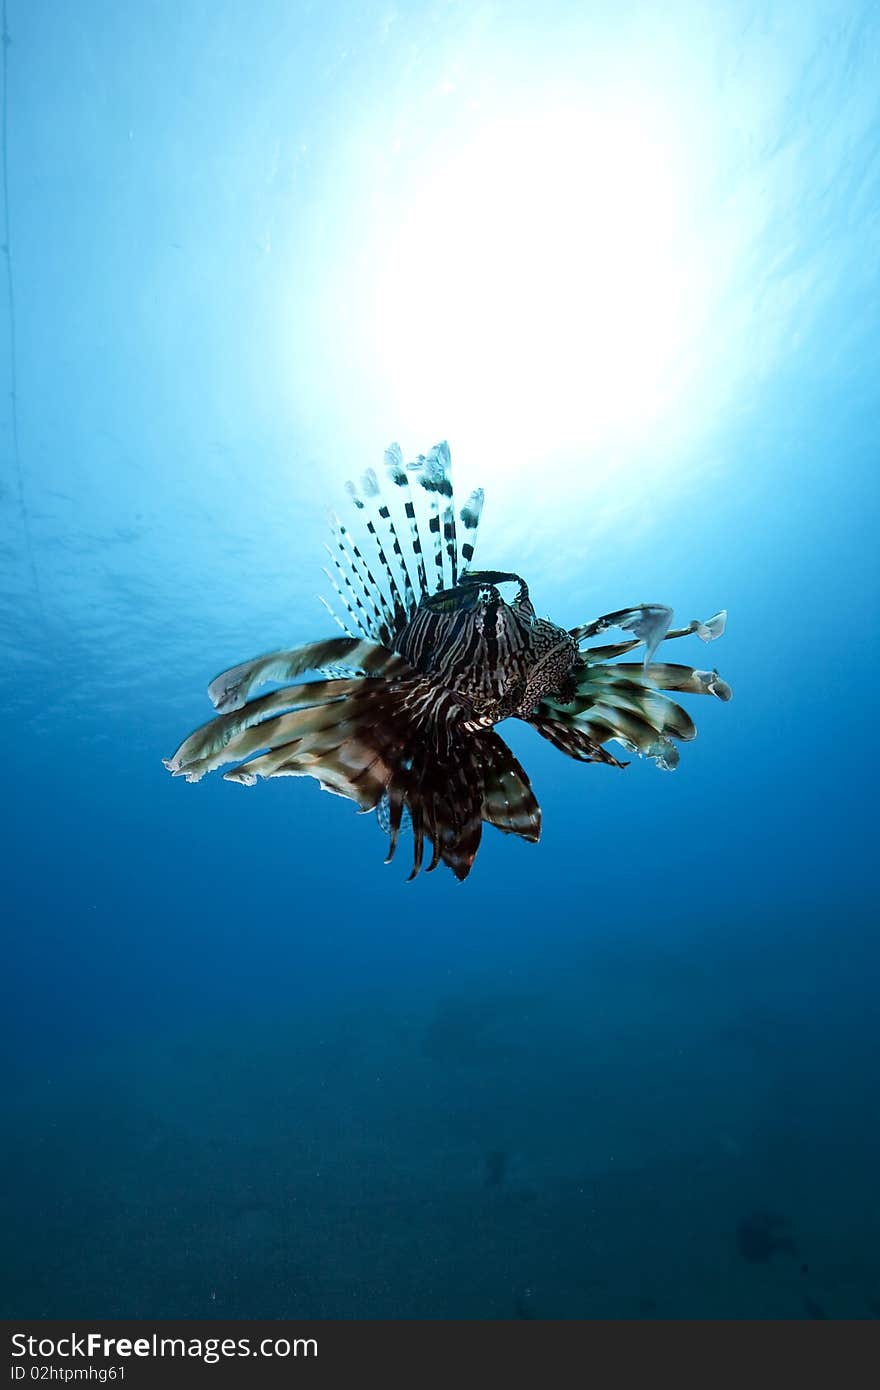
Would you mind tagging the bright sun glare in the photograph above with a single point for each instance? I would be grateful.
(543, 284)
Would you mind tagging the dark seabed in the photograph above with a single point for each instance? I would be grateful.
(629, 1072)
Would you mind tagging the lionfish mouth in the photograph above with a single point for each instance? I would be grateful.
(399, 713)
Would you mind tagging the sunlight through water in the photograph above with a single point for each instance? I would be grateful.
(551, 271)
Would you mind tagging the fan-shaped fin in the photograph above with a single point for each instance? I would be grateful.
(614, 688)
(229, 736)
(683, 678)
(508, 800)
(399, 605)
(355, 570)
(357, 619)
(231, 688)
(624, 702)
(649, 621)
(651, 624)
(388, 742)
(381, 611)
(579, 740)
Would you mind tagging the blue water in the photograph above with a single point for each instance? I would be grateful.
(624, 259)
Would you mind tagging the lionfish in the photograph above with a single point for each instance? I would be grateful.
(432, 658)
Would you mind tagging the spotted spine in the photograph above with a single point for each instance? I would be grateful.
(470, 515)
(398, 474)
(372, 488)
(401, 609)
(382, 621)
(433, 474)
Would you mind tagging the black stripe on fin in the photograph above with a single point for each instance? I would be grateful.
(372, 488)
(381, 620)
(433, 474)
(470, 515)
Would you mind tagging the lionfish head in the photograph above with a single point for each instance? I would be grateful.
(477, 589)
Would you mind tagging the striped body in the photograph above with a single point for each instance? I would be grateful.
(498, 657)
(432, 657)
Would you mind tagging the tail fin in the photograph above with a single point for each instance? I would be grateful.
(414, 557)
